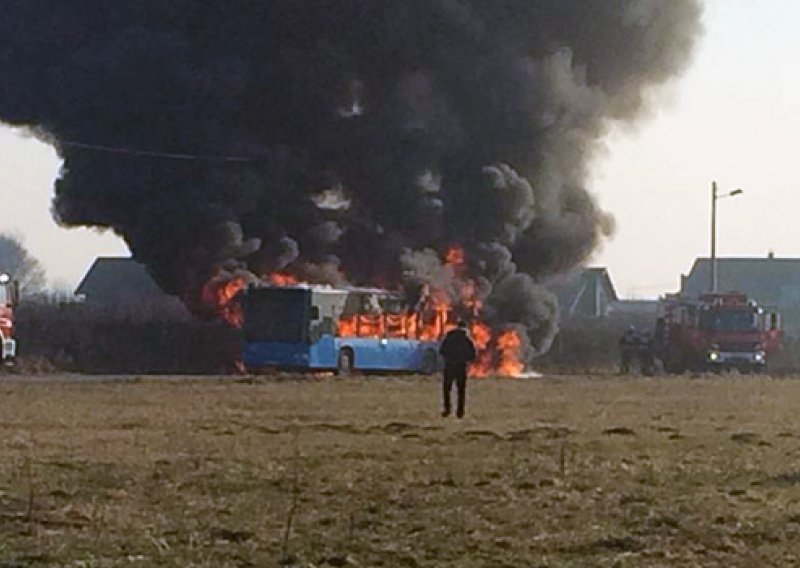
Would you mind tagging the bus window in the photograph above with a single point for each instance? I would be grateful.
(319, 328)
(370, 305)
(275, 314)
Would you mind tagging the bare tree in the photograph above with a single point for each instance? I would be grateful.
(20, 265)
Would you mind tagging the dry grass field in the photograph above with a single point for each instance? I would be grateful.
(568, 471)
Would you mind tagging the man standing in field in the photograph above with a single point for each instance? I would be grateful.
(458, 350)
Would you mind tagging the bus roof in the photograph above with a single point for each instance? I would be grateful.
(328, 289)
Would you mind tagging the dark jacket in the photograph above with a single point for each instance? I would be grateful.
(457, 348)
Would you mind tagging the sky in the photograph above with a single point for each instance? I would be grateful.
(27, 171)
(731, 118)
(734, 118)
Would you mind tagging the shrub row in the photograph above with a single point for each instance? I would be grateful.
(88, 339)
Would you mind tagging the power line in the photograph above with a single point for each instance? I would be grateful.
(157, 154)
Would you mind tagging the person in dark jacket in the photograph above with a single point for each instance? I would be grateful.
(458, 350)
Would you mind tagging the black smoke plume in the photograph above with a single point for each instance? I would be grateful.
(330, 137)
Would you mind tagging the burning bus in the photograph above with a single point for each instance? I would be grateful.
(323, 328)
(289, 323)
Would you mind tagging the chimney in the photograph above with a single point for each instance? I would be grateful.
(771, 255)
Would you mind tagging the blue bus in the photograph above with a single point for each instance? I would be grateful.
(302, 328)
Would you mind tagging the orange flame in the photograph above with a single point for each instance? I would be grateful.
(221, 294)
(509, 345)
(482, 337)
(455, 257)
(282, 279)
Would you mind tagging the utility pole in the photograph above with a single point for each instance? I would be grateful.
(714, 197)
(713, 237)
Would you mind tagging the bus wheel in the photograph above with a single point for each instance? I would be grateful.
(430, 362)
(345, 365)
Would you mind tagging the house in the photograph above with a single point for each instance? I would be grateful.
(125, 284)
(772, 282)
(584, 292)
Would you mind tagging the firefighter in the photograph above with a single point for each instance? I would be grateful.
(645, 354)
(458, 350)
(628, 347)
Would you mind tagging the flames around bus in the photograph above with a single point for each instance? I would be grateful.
(500, 350)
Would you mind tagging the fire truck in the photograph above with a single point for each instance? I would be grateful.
(719, 331)
(9, 294)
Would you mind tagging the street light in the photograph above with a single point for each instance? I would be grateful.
(714, 197)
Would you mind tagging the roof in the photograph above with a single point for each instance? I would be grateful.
(116, 279)
(769, 280)
(328, 289)
(772, 282)
(584, 291)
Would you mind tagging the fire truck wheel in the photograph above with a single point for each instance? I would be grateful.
(430, 362)
(345, 364)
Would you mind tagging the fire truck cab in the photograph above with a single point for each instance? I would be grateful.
(720, 331)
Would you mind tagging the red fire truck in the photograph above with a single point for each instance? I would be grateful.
(716, 332)
(9, 293)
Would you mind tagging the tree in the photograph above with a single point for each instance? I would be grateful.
(20, 265)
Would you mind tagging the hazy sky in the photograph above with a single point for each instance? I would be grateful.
(27, 171)
(731, 118)
(734, 118)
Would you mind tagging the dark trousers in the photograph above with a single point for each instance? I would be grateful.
(626, 357)
(455, 374)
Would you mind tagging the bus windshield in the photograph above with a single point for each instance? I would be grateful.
(276, 314)
(728, 320)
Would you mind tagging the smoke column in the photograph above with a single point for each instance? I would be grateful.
(330, 137)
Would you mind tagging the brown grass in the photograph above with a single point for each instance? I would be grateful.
(550, 472)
